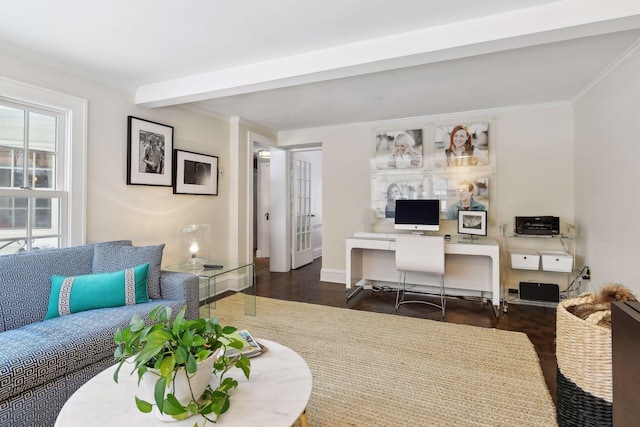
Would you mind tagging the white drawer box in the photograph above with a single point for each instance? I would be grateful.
(524, 260)
(556, 261)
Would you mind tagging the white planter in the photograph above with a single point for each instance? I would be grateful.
(199, 382)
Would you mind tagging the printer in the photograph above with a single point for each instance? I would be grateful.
(537, 225)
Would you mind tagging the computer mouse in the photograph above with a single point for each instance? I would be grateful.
(447, 237)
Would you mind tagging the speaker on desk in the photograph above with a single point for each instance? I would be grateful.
(548, 292)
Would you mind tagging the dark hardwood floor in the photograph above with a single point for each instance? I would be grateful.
(304, 285)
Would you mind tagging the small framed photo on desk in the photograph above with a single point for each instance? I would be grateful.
(472, 222)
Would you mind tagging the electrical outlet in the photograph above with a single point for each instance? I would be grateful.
(587, 274)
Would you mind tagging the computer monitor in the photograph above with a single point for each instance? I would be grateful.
(472, 223)
(417, 215)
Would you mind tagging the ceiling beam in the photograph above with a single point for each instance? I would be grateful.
(552, 22)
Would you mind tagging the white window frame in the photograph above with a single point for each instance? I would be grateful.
(71, 166)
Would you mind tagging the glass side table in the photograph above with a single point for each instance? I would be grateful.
(244, 273)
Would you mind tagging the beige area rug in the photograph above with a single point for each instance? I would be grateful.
(372, 369)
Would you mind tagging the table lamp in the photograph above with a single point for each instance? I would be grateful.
(195, 243)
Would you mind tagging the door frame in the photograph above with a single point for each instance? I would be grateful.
(279, 249)
(263, 173)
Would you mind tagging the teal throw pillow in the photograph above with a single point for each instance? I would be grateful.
(90, 291)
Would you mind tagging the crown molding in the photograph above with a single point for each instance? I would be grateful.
(618, 64)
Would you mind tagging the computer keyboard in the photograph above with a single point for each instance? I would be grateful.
(375, 235)
(392, 236)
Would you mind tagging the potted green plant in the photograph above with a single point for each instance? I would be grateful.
(177, 359)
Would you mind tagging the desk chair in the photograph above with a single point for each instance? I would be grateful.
(424, 254)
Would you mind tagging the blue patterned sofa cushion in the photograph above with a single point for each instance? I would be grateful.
(25, 281)
(108, 258)
(26, 277)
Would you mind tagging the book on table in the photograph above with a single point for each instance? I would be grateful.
(251, 347)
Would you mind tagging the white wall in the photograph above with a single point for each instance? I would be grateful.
(146, 215)
(607, 201)
(534, 172)
(535, 163)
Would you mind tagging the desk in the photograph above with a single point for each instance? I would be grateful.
(275, 395)
(374, 259)
(212, 275)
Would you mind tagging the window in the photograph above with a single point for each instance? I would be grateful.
(37, 169)
(30, 197)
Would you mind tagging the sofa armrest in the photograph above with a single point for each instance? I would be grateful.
(182, 286)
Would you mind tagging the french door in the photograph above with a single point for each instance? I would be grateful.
(302, 248)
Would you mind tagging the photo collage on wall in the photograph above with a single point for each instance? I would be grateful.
(450, 162)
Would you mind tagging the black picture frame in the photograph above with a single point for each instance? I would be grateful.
(195, 173)
(149, 148)
(472, 222)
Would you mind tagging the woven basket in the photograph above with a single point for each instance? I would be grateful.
(583, 351)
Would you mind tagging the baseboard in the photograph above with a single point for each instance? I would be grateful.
(333, 275)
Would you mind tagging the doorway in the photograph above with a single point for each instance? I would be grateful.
(261, 203)
(273, 222)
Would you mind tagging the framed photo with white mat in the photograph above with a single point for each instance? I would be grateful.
(472, 223)
(149, 147)
(195, 173)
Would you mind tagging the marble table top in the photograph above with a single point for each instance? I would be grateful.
(276, 394)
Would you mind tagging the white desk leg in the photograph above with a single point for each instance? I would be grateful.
(495, 281)
(353, 268)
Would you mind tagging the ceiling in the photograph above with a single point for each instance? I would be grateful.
(291, 64)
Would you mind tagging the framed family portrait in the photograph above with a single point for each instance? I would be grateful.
(195, 173)
(389, 187)
(400, 149)
(458, 192)
(149, 148)
(461, 145)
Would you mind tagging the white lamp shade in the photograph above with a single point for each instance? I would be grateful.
(194, 242)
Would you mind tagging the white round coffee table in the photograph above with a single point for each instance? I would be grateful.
(276, 394)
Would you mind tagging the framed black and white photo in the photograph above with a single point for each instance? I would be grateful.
(472, 222)
(149, 147)
(195, 173)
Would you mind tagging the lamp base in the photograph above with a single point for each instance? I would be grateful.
(196, 262)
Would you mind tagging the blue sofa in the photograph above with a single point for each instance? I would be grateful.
(42, 362)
